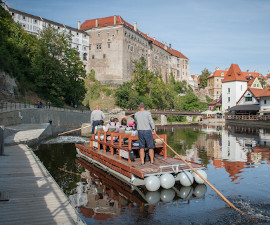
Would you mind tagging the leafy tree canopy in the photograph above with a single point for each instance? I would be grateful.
(203, 77)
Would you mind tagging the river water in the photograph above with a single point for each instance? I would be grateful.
(237, 161)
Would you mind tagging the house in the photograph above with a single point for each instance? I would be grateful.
(193, 81)
(214, 83)
(252, 102)
(235, 84)
(217, 104)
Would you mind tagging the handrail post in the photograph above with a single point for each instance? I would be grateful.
(2, 128)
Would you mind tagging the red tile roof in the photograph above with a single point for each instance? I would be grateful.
(198, 79)
(109, 21)
(234, 74)
(260, 92)
(192, 76)
(218, 73)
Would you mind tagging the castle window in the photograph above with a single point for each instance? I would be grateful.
(229, 90)
(98, 46)
(23, 17)
(109, 45)
(125, 33)
(265, 101)
(116, 31)
(90, 47)
(108, 33)
(229, 99)
(13, 14)
(98, 34)
(85, 56)
(77, 34)
(104, 56)
(93, 56)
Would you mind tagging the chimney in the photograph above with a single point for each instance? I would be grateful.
(154, 38)
(170, 45)
(96, 22)
(255, 71)
(217, 68)
(135, 26)
(147, 34)
(79, 25)
(114, 20)
(247, 70)
(227, 69)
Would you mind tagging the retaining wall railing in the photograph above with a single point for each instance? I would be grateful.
(11, 106)
(248, 117)
(2, 128)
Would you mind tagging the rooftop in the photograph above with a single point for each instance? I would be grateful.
(45, 20)
(118, 20)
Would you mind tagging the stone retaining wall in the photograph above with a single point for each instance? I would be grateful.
(60, 120)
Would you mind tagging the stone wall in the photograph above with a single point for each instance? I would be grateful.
(60, 120)
(7, 84)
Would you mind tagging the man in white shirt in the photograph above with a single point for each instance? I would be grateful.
(96, 116)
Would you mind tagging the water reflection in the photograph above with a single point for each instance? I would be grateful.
(100, 196)
(232, 148)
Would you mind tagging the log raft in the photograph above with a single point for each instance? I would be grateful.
(111, 152)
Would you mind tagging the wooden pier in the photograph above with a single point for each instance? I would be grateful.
(28, 193)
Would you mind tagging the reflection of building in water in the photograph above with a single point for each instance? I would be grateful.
(241, 146)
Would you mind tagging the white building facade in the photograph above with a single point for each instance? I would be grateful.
(34, 24)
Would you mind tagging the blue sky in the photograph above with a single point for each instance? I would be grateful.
(210, 33)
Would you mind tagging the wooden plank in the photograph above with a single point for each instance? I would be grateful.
(34, 196)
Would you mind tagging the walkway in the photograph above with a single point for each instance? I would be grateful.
(32, 195)
(27, 133)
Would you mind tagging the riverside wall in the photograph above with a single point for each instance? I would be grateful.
(60, 120)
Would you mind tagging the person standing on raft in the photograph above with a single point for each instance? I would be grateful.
(145, 127)
(96, 116)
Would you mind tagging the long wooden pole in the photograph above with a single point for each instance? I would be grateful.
(221, 195)
(73, 130)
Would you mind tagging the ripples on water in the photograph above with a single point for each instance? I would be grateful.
(237, 161)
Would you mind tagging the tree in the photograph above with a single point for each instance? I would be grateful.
(60, 69)
(203, 77)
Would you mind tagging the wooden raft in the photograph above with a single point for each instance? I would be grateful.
(127, 168)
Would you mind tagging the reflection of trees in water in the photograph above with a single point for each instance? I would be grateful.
(57, 156)
(181, 139)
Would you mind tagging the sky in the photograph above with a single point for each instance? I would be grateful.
(211, 33)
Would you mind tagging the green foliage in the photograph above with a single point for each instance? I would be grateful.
(263, 82)
(92, 75)
(171, 118)
(148, 87)
(47, 64)
(203, 77)
(208, 99)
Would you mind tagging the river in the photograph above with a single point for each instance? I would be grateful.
(237, 161)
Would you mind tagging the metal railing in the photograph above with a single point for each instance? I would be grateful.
(248, 117)
(11, 106)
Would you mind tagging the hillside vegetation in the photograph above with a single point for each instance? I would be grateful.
(46, 65)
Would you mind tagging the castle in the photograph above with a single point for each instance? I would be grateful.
(110, 45)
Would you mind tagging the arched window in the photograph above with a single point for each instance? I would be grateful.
(84, 56)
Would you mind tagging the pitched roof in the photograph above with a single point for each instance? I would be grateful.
(260, 92)
(234, 74)
(218, 73)
(118, 20)
(192, 76)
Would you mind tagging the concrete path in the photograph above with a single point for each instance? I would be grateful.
(32, 195)
(27, 133)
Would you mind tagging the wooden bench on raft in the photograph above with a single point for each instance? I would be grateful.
(122, 146)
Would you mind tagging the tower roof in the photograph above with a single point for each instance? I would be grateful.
(234, 74)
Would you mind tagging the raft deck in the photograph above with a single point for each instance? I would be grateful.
(161, 165)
